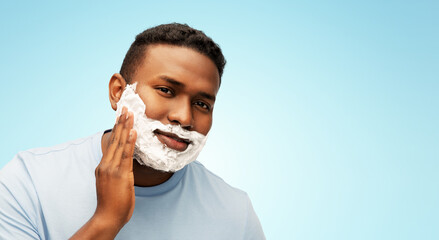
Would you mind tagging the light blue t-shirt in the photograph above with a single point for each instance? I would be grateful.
(50, 193)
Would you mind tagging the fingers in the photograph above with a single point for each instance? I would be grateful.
(115, 137)
(123, 140)
(126, 164)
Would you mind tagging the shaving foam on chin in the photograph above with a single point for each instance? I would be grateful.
(149, 150)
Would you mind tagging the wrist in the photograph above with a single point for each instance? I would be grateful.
(99, 227)
(106, 224)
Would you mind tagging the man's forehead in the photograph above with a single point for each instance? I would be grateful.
(179, 64)
(168, 52)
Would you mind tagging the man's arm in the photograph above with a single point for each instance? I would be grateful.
(253, 228)
(19, 207)
(114, 184)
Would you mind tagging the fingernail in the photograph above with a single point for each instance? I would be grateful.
(124, 110)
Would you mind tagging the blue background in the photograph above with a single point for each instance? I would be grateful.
(327, 115)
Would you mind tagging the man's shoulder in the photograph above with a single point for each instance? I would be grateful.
(85, 142)
(230, 207)
(42, 184)
(46, 159)
(209, 180)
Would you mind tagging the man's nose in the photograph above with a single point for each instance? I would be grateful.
(181, 113)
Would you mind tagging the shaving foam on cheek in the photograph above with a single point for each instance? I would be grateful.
(149, 150)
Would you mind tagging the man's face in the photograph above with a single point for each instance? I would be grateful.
(178, 86)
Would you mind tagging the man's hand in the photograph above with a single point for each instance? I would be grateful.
(114, 183)
(114, 175)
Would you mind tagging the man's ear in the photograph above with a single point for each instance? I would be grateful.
(116, 86)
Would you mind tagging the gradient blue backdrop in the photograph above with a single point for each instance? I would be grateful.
(327, 115)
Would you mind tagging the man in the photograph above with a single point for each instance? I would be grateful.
(93, 188)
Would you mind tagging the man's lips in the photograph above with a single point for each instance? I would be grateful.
(172, 141)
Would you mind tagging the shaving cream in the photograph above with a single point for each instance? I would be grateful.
(148, 149)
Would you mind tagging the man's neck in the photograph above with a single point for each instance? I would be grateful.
(143, 176)
(147, 177)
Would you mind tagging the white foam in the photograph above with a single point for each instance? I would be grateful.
(149, 150)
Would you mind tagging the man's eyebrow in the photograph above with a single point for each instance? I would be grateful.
(171, 81)
(207, 95)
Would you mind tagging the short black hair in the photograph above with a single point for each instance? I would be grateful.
(173, 34)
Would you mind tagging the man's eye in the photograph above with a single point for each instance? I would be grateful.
(165, 90)
(202, 105)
